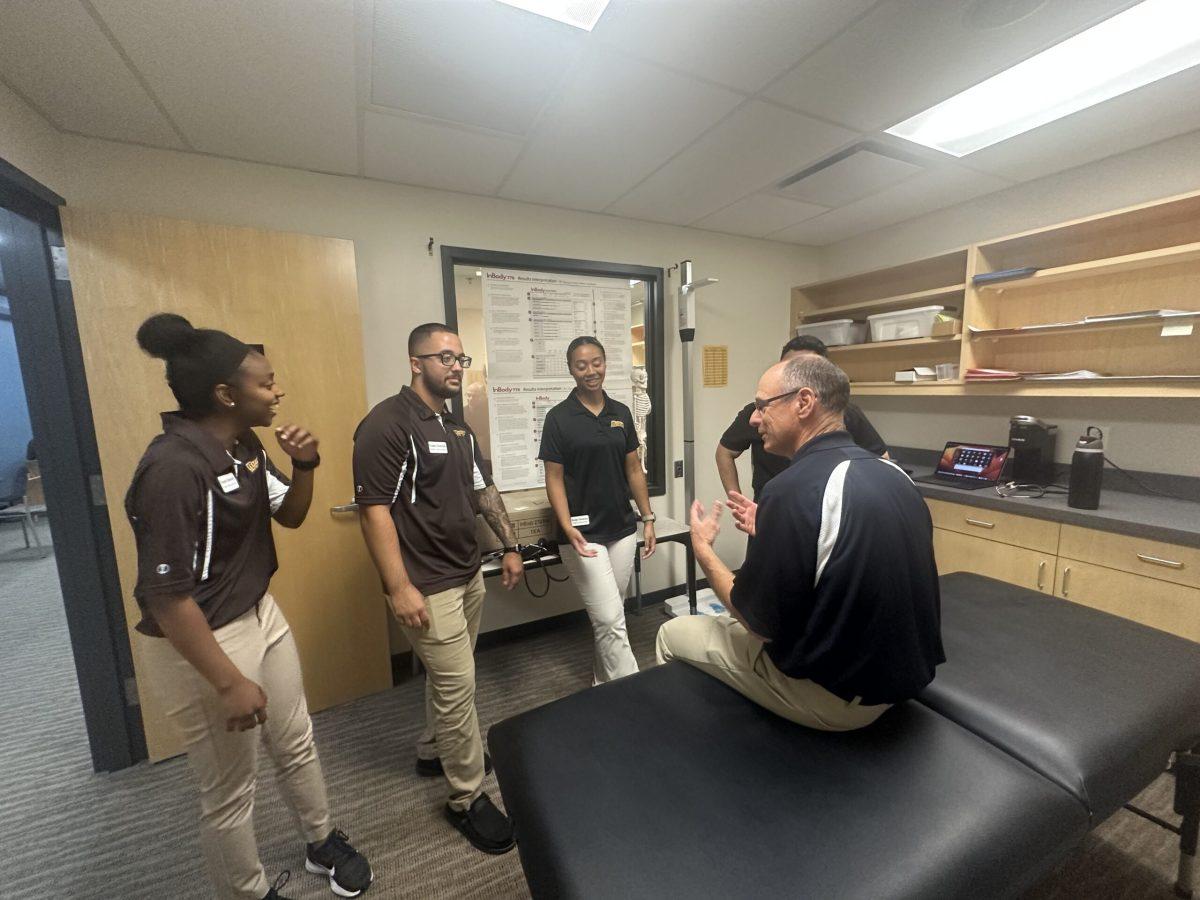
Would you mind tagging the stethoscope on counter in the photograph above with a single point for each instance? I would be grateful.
(532, 553)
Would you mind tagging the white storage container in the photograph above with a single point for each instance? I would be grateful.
(835, 333)
(903, 324)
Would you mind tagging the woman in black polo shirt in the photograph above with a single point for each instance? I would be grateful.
(218, 651)
(589, 449)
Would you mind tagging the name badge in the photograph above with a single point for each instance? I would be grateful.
(576, 521)
(228, 482)
(438, 447)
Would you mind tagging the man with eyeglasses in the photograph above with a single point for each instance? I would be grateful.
(741, 435)
(419, 480)
(836, 611)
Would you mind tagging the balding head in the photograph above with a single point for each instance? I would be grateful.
(825, 379)
(798, 399)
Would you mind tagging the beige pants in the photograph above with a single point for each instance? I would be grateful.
(722, 647)
(447, 650)
(602, 581)
(225, 763)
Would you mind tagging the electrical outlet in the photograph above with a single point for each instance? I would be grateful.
(679, 468)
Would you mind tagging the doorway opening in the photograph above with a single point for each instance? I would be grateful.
(65, 665)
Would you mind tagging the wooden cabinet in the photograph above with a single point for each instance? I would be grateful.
(1153, 559)
(1069, 311)
(1150, 601)
(957, 552)
(1005, 528)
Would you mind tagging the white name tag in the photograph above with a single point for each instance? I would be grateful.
(438, 447)
(576, 521)
(228, 482)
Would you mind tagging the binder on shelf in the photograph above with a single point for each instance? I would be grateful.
(1003, 275)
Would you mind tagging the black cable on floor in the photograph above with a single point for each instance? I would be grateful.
(1161, 823)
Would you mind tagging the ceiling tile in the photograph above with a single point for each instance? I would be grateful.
(475, 62)
(907, 55)
(754, 147)
(862, 173)
(1150, 114)
(917, 196)
(414, 151)
(758, 215)
(615, 121)
(57, 56)
(271, 80)
(739, 44)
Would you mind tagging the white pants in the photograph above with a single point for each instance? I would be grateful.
(602, 580)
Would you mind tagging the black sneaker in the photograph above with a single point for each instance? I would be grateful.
(273, 893)
(348, 870)
(484, 826)
(431, 768)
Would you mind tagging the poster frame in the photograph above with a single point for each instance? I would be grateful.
(655, 279)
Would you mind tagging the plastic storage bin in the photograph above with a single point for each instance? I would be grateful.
(835, 333)
(903, 324)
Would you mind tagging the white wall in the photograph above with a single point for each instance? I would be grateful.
(400, 283)
(1153, 435)
(28, 141)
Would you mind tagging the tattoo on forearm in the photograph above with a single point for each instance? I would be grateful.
(491, 506)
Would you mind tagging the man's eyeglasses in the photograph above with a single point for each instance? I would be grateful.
(760, 405)
(446, 358)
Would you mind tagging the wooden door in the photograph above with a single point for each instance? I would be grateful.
(1159, 604)
(297, 295)
(963, 553)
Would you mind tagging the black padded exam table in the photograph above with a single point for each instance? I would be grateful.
(1046, 718)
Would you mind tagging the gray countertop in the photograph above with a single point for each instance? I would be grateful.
(1139, 515)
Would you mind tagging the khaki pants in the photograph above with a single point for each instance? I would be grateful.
(722, 647)
(447, 650)
(225, 763)
(602, 581)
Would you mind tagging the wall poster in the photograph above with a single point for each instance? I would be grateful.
(529, 319)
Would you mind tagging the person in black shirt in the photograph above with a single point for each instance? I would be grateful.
(836, 610)
(589, 449)
(217, 649)
(764, 465)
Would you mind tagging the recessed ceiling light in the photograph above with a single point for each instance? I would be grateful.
(1147, 42)
(580, 13)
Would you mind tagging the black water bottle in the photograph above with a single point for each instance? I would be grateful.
(1087, 470)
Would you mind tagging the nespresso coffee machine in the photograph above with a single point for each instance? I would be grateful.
(1032, 442)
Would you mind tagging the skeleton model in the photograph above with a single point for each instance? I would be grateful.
(641, 409)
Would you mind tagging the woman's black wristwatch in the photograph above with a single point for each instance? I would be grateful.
(306, 466)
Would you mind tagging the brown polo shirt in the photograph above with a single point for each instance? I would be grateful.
(425, 467)
(201, 517)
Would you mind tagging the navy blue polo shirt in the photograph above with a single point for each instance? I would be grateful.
(840, 578)
(592, 449)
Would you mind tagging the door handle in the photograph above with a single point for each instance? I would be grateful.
(980, 523)
(1066, 579)
(344, 508)
(1041, 572)
(1158, 561)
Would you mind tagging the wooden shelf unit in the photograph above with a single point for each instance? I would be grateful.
(1142, 257)
(906, 345)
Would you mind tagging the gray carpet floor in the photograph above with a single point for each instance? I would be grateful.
(71, 833)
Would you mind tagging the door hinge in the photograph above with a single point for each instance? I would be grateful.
(131, 692)
(96, 482)
(58, 256)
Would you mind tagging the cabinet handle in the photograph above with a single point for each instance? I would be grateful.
(1066, 579)
(1158, 561)
(981, 523)
(1041, 572)
(344, 508)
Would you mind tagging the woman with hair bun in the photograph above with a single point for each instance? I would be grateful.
(223, 659)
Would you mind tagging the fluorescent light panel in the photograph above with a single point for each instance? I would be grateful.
(1147, 42)
(580, 13)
